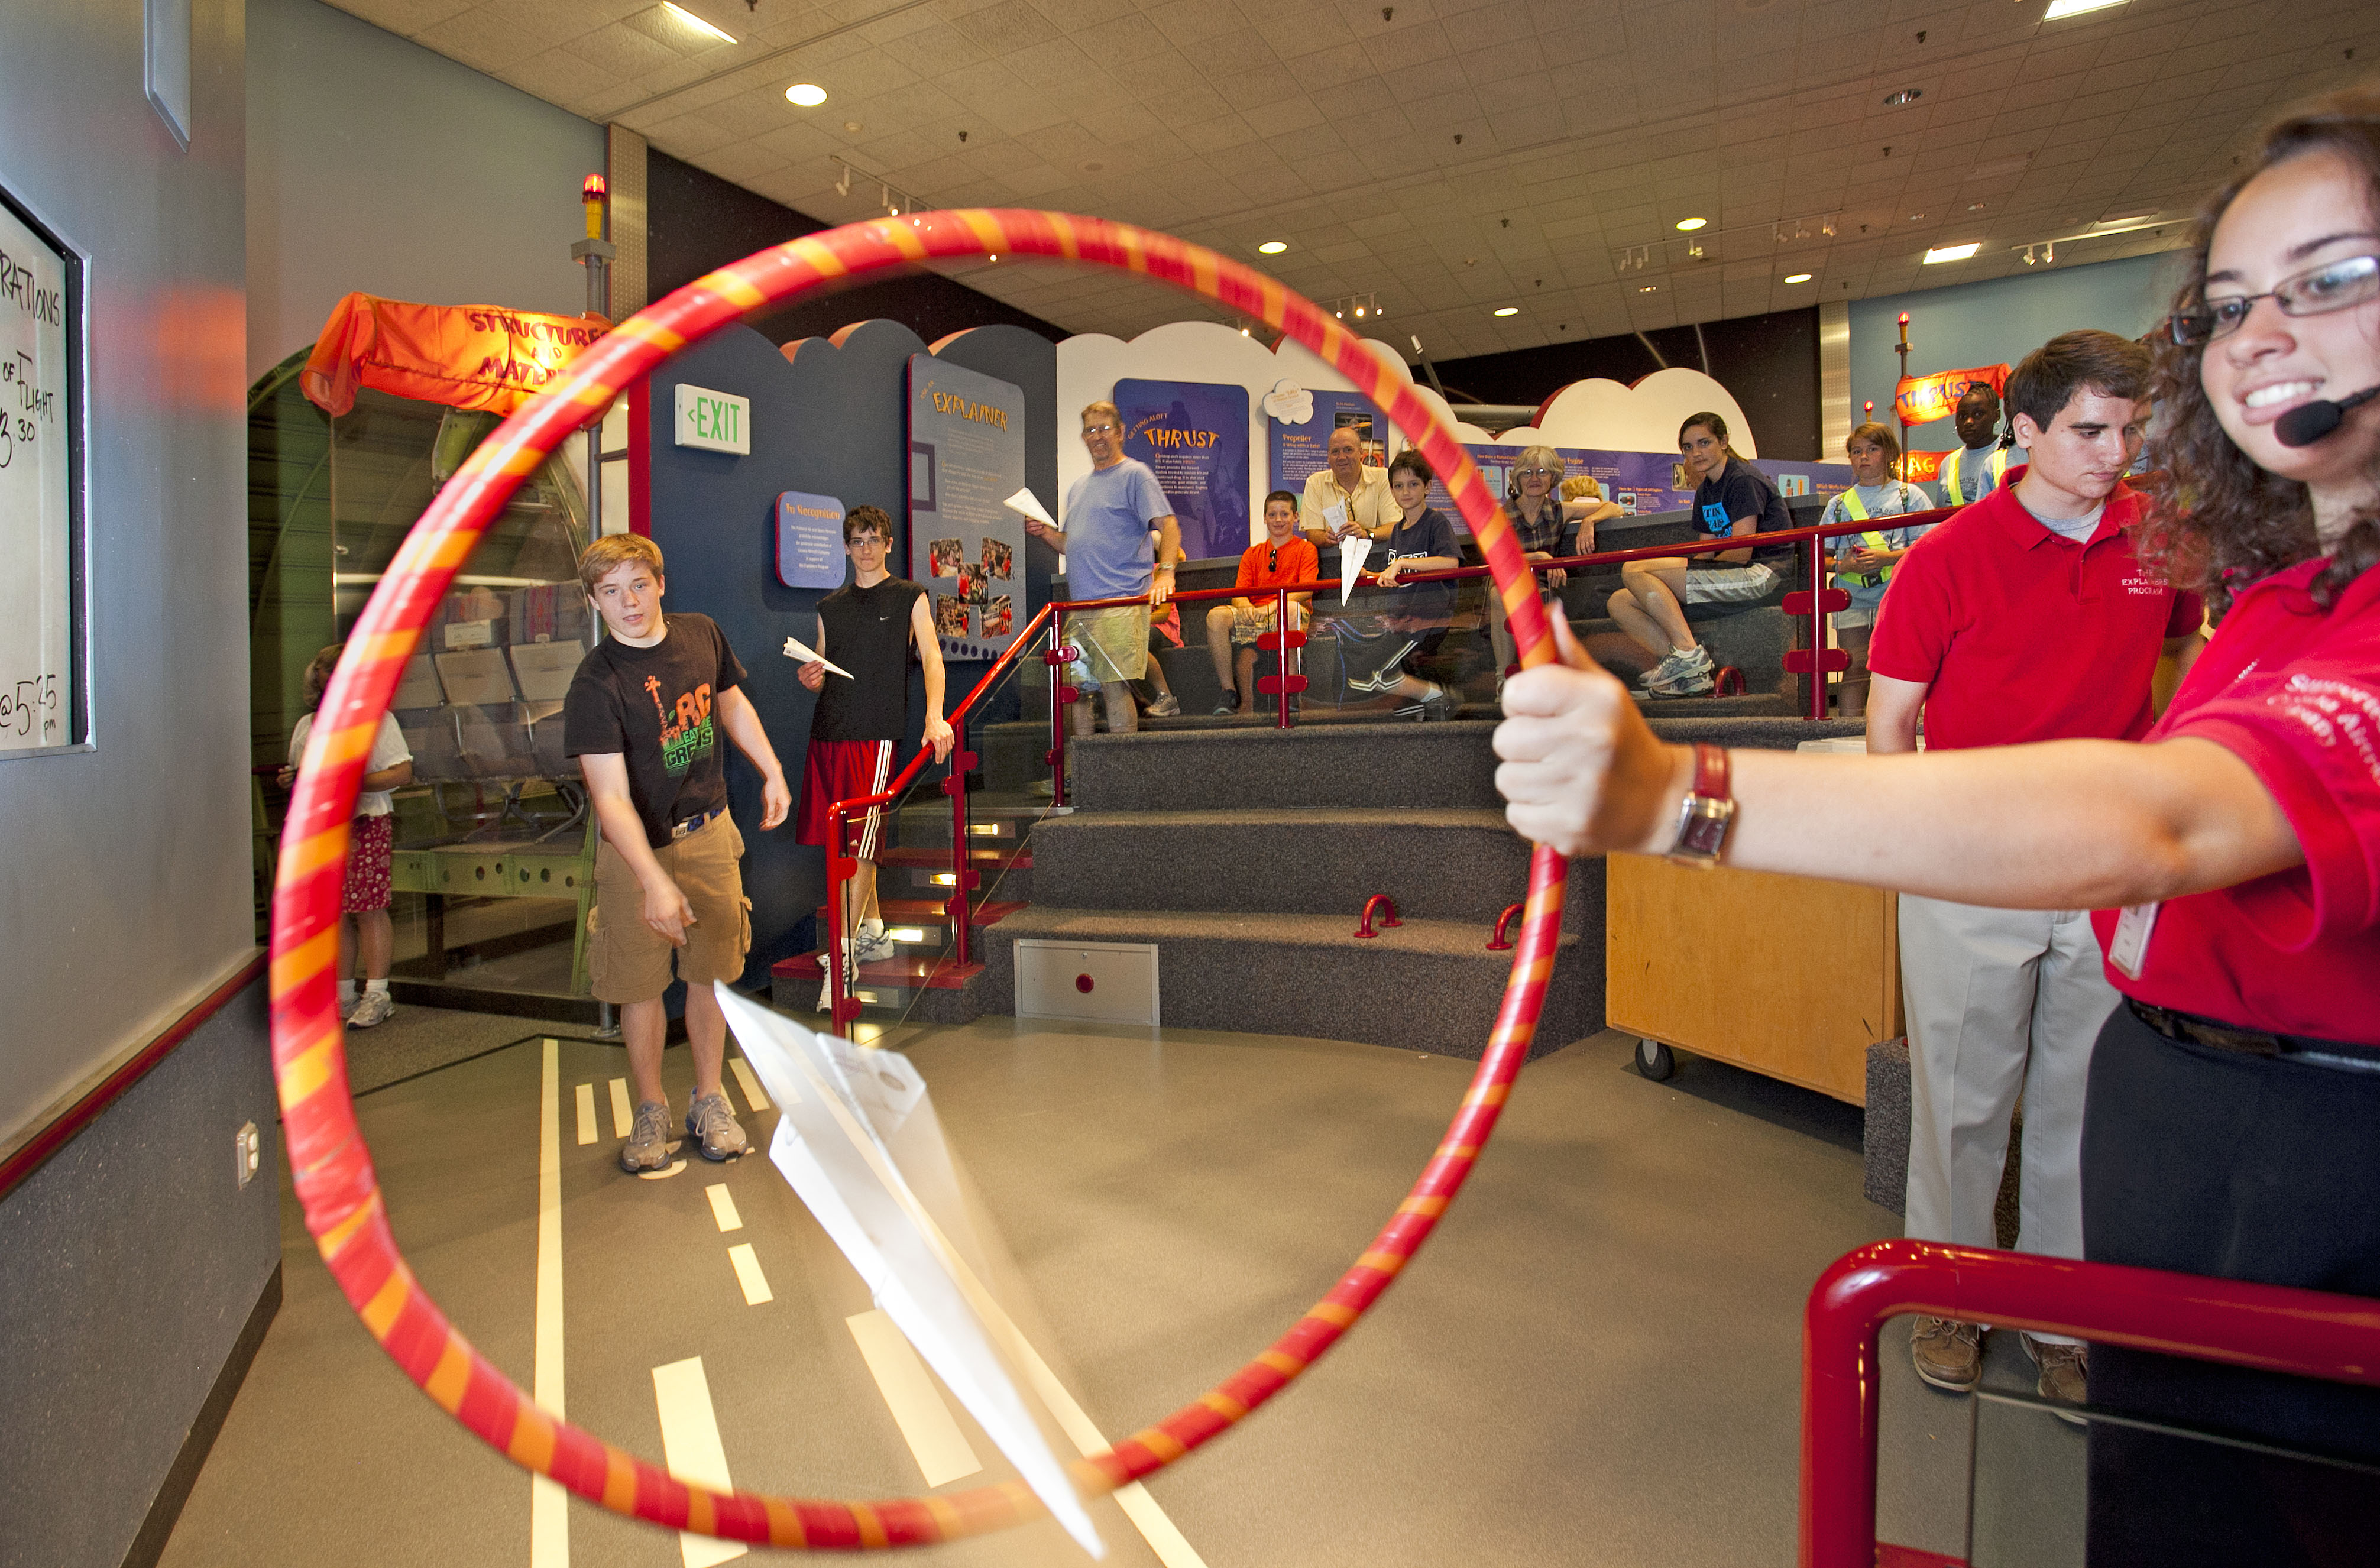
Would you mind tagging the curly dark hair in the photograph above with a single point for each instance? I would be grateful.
(2217, 522)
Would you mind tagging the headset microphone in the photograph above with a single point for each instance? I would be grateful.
(2308, 422)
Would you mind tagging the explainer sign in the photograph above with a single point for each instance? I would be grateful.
(41, 707)
(966, 456)
(714, 421)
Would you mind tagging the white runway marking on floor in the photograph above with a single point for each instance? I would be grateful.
(932, 1433)
(750, 1082)
(749, 1275)
(691, 1449)
(664, 1173)
(586, 1113)
(549, 1505)
(623, 1115)
(723, 1206)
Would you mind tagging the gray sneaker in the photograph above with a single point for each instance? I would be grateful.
(648, 1145)
(874, 948)
(711, 1122)
(1440, 704)
(371, 1010)
(1165, 707)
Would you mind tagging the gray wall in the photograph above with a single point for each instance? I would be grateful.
(127, 895)
(1999, 320)
(130, 1263)
(377, 165)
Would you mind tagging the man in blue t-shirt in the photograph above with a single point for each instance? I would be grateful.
(1109, 513)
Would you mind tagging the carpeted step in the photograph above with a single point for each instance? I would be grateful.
(1427, 985)
(1454, 864)
(1448, 766)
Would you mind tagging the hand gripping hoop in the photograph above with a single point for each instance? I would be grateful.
(332, 1168)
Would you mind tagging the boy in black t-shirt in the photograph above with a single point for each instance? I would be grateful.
(643, 717)
(873, 626)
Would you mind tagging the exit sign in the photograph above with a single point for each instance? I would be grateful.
(715, 422)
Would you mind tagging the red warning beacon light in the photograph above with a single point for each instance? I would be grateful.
(593, 193)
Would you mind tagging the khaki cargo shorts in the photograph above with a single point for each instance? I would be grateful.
(627, 960)
(1114, 643)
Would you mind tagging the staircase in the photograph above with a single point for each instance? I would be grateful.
(1247, 856)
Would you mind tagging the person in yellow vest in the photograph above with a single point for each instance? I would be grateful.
(1864, 562)
(1981, 464)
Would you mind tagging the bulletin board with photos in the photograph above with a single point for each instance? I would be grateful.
(966, 456)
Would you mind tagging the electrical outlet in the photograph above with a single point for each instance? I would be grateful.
(248, 1151)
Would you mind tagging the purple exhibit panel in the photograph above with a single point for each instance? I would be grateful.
(1194, 435)
(1298, 451)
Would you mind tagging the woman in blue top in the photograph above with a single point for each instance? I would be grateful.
(1864, 562)
(1732, 497)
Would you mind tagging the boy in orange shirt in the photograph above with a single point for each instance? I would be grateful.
(1283, 557)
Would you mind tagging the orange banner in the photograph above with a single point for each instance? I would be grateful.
(1921, 468)
(1921, 400)
(464, 356)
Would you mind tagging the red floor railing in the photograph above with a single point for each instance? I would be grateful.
(2311, 1334)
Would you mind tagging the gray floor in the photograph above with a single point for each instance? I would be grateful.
(1596, 1360)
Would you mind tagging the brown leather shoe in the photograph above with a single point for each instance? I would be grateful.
(1948, 1355)
(2065, 1373)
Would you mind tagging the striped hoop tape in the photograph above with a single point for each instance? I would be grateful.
(332, 1168)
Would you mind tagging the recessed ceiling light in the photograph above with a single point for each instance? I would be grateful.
(1951, 252)
(1690, 224)
(1912, 94)
(690, 20)
(1799, 277)
(1648, 288)
(1508, 309)
(808, 95)
(1272, 247)
(852, 126)
(2075, 7)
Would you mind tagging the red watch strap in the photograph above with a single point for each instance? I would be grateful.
(1711, 772)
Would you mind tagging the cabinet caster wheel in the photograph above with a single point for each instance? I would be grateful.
(1655, 1060)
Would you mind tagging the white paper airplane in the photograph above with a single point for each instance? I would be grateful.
(802, 652)
(1352, 551)
(1025, 502)
(857, 1139)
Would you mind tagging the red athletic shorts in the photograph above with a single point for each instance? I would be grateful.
(845, 770)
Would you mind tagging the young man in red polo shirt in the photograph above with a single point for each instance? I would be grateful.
(2024, 617)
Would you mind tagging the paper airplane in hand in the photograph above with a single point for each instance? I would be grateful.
(1352, 551)
(1025, 502)
(843, 1111)
(803, 654)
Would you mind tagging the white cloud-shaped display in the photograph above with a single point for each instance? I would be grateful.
(1604, 416)
(1289, 403)
(1089, 366)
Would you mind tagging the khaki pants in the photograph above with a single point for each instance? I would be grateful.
(627, 960)
(2000, 1003)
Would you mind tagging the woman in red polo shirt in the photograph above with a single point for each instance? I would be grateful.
(2232, 1125)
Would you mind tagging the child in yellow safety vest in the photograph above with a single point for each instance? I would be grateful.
(1864, 562)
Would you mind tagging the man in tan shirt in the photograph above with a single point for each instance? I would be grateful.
(1347, 483)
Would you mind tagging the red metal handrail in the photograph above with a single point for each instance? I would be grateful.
(1371, 904)
(1499, 942)
(2310, 1333)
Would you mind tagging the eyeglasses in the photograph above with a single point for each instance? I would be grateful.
(1538, 473)
(1272, 558)
(1097, 430)
(2335, 286)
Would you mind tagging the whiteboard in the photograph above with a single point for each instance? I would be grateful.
(39, 706)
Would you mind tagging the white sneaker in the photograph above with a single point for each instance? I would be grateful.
(371, 1010)
(1165, 707)
(876, 948)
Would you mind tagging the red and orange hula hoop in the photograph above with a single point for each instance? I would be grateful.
(332, 1168)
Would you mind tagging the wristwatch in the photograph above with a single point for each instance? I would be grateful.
(1707, 812)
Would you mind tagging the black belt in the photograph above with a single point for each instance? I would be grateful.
(693, 825)
(2256, 1043)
